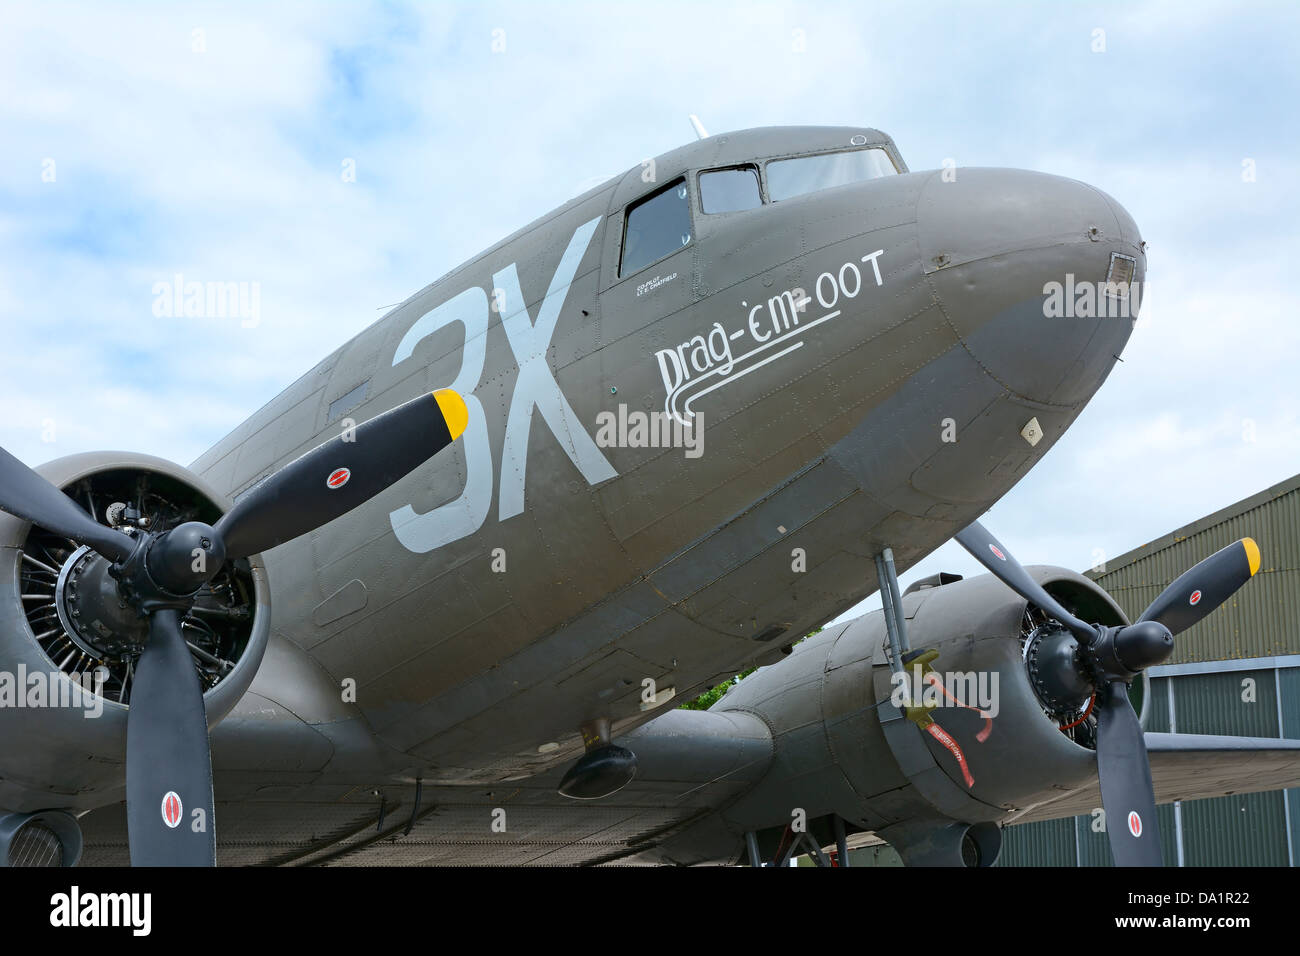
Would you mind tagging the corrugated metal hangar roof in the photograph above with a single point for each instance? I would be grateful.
(1263, 618)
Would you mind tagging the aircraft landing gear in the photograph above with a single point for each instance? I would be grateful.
(604, 769)
(791, 842)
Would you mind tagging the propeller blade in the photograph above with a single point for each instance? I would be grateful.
(168, 763)
(1198, 591)
(990, 552)
(25, 494)
(1126, 791)
(341, 474)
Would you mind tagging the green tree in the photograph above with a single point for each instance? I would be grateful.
(714, 693)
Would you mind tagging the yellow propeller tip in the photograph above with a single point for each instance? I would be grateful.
(454, 412)
(1252, 554)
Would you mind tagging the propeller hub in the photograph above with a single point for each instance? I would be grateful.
(1143, 645)
(182, 560)
(167, 569)
(1124, 652)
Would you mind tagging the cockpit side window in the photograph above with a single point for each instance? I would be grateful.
(787, 178)
(655, 227)
(730, 190)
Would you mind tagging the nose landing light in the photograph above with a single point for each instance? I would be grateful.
(1119, 277)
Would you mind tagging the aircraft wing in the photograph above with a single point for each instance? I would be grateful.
(692, 763)
(279, 804)
(1195, 767)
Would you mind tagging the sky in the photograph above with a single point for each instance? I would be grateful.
(339, 156)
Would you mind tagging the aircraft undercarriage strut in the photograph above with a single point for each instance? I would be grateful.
(791, 843)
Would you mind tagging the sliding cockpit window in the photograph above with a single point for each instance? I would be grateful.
(730, 190)
(787, 178)
(655, 227)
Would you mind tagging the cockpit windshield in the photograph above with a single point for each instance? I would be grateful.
(787, 178)
(730, 190)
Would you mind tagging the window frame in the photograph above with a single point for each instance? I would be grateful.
(828, 152)
(752, 164)
(631, 207)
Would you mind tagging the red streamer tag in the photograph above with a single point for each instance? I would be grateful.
(983, 735)
(939, 734)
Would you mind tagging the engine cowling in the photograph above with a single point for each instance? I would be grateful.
(71, 645)
(842, 747)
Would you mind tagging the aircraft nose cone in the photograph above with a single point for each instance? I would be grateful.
(1019, 262)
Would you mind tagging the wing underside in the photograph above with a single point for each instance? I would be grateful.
(1195, 767)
